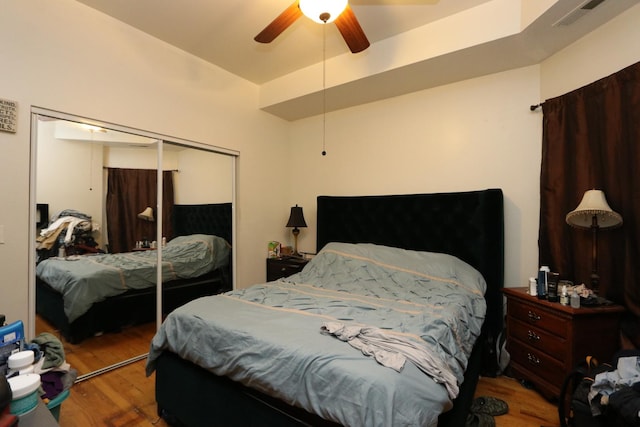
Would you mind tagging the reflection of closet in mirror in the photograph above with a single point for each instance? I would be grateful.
(71, 172)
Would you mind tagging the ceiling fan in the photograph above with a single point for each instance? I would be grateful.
(321, 11)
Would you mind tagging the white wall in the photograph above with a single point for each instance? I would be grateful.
(471, 135)
(203, 177)
(67, 57)
(69, 173)
(601, 53)
(70, 176)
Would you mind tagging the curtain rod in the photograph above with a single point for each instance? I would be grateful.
(164, 170)
(535, 107)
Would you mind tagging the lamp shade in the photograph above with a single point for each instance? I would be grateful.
(593, 203)
(316, 10)
(296, 218)
(147, 214)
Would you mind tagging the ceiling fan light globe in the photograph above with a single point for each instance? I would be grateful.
(314, 9)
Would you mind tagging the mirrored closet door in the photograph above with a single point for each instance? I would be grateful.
(111, 204)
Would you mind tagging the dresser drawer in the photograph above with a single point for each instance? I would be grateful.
(536, 362)
(539, 317)
(538, 338)
(283, 267)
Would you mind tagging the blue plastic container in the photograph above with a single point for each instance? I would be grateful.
(55, 403)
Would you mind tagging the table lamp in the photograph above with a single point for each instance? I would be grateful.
(594, 212)
(146, 214)
(296, 219)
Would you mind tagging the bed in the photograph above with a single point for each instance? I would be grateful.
(112, 291)
(341, 368)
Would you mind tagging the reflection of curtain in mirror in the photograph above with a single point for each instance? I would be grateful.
(129, 192)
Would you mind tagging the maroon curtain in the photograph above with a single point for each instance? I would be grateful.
(129, 192)
(591, 140)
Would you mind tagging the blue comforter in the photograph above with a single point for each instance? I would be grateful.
(426, 309)
(86, 279)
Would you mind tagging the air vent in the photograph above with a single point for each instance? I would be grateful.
(578, 12)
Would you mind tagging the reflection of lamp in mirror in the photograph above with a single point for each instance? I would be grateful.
(594, 212)
(296, 219)
(147, 214)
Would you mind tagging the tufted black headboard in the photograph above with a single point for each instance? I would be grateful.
(214, 218)
(468, 225)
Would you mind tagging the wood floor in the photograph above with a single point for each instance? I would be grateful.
(527, 408)
(125, 397)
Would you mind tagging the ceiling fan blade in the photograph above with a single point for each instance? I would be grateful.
(351, 31)
(278, 25)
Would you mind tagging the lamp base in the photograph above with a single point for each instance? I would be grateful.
(595, 283)
(295, 253)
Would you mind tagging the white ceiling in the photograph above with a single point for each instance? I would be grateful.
(414, 44)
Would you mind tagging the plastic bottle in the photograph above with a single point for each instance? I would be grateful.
(533, 285)
(552, 287)
(542, 281)
(575, 299)
(564, 296)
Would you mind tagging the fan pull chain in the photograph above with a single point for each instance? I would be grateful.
(324, 89)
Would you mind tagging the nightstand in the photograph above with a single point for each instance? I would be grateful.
(547, 340)
(283, 267)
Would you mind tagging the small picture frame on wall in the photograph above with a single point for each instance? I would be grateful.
(42, 215)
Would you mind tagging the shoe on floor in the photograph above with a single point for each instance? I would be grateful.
(479, 420)
(489, 405)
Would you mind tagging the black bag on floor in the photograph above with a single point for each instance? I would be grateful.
(575, 391)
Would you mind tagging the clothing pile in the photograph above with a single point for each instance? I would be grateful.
(67, 230)
(617, 392)
(603, 394)
(56, 375)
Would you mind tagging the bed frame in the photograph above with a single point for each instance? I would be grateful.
(468, 225)
(139, 306)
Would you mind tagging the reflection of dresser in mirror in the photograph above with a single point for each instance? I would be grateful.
(72, 169)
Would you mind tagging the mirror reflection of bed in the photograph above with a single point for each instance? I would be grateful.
(74, 165)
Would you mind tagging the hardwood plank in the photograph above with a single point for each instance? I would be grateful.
(125, 397)
(98, 352)
(527, 408)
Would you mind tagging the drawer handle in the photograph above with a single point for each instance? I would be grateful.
(533, 316)
(533, 359)
(533, 336)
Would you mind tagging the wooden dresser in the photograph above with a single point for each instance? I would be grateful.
(546, 340)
